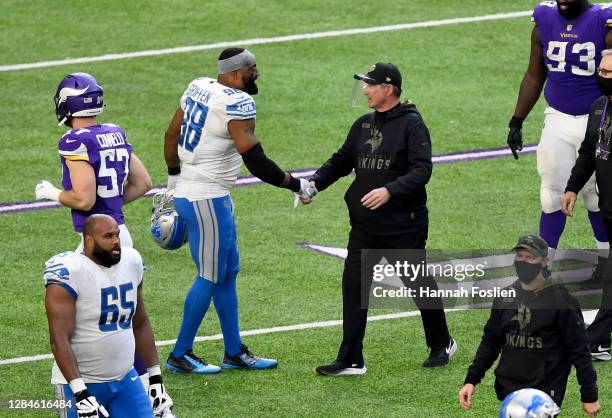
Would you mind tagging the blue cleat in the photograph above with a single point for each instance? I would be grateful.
(190, 363)
(247, 360)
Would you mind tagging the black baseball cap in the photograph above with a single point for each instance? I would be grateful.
(533, 243)
(380, 73)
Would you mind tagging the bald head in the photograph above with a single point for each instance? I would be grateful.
(101, 240)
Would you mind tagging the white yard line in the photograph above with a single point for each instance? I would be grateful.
(262, 41)
(261, 331)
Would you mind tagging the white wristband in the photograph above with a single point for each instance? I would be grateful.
(77, 385)
(54, 194)
(154, 370)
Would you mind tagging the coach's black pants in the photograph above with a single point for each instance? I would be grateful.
(354, 317)
(599, 331)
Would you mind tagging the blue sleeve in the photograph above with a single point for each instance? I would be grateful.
(243, 109)
(56, 272)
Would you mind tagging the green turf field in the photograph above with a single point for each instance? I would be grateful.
(464, 79)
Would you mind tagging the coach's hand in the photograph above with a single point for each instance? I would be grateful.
(87, 405)
(465, 395)
(160, 400)
(376, 198)
(515, 136)
(591, 408)
(307, 191)
(567, 203)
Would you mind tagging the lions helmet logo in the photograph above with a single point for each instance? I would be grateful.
(372, 68)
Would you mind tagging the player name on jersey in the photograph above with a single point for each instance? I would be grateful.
(110, 139)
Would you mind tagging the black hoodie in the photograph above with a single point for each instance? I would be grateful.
(390, 149)
(587, 162)
(540, 336)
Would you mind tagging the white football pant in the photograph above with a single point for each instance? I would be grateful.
(557, 151)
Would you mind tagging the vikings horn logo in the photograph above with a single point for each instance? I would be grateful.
(375, 140)
(523, 316)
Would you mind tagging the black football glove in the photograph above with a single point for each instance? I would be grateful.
(87, 405)
(515, 136)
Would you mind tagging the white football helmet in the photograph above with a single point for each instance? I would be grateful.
(528, 403)
(169, 231)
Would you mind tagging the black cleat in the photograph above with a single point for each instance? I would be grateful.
(441, 357)
(337, 368)
(601, 353)
(247, 360)
(190, 363)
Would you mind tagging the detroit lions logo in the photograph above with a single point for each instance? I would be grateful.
(523, 316)
(375, 140)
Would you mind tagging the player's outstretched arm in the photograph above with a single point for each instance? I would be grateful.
(145, 347)
(138, 181)
(529, 93)
(255, 159)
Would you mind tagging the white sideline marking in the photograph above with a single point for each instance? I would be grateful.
(285, 328)
(262, 41)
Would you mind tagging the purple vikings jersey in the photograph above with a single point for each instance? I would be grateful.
(572, 52)
(105, 148)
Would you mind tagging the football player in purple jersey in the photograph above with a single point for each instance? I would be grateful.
(566, 45)
(100, 173)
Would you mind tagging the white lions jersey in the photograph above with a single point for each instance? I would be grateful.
(103, 341)
(210, 162)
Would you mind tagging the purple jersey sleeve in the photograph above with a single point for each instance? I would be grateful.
(106, 149)
(571, 53)
(606, 16)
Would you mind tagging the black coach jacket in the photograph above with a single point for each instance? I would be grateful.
(540, 335)
(390, 149)
(587, 163)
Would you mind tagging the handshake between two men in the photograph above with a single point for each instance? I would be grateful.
(372, 200)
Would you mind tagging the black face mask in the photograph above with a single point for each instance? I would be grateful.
(250, 87)
(574, 9)
(106, 258)
(527, 272)
(605, 85)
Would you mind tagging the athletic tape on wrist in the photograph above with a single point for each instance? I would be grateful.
(77, 385)
(154, 370)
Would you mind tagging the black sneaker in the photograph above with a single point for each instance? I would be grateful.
(247, 360)
(190, 363)
(441, 357)
(337, 368)
(601, 353)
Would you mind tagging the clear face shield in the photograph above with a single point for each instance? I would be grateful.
(359, 98)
